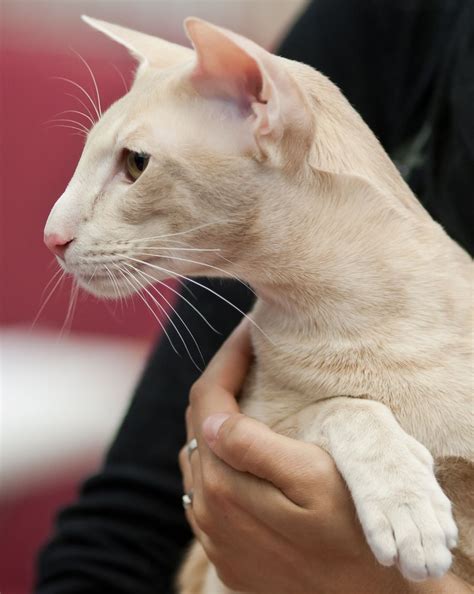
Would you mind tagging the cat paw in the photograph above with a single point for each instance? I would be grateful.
(407, 519)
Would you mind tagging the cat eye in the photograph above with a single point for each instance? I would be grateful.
(136, 164)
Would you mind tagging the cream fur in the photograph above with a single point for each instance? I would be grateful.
(364, 301)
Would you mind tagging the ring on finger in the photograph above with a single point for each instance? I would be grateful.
(187, 499)
(191, 446)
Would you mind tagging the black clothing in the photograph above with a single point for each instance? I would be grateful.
(408, 68)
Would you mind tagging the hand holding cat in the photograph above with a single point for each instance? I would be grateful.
(273, 514)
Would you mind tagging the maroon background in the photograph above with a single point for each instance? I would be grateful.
(36, 163)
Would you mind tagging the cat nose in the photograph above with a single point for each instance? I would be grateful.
(57, 244)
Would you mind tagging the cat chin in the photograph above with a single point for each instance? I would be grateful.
(103, 289)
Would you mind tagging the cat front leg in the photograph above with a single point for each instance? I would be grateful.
(405, 515)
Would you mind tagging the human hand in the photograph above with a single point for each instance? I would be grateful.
(273, 514)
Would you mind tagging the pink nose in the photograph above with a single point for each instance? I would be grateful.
(57, 244)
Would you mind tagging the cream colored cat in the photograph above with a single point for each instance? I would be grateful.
(364, 301)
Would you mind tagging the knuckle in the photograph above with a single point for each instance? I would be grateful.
(215, 491)
(239, 439)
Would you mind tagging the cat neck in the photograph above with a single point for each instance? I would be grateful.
(360, 264)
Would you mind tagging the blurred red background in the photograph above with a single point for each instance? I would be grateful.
(37, 161)
(38, 43)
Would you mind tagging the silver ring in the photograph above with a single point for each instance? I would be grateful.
(187, 499)
(191, 446)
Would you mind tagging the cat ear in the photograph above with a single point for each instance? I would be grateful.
(144, 48)
(234, 68)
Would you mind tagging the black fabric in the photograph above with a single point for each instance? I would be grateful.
(406, 66)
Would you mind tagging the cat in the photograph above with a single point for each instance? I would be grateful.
(362, 333)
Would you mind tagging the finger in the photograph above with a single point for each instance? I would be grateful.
(186, 471)
(215, 391)
(230, 364)
(249, 446)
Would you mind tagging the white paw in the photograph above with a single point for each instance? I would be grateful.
(405, 515)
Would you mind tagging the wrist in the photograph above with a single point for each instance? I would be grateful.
(372, 578)
(389, 580)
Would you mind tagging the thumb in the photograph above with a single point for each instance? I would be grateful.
(250, 446)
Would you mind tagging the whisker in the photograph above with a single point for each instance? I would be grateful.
(68, 80)
(243, 282)
(183, 286)
(112, 280)
(78, 130)
(180, 295)
(150, 308)
(48, 284)
(81, 113)
(84, 105)
(225, 272)
(123, 79)
(179, 318)
(170, 319)
(195, 282)
(93, 79)
(116, 286)
(66, 120)
(177, 233)
(70, 310)
(45, 302)
(181, 249)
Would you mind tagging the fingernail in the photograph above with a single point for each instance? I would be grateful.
(211, 426)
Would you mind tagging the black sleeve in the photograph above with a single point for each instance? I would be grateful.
(384, 55)
(127, 531)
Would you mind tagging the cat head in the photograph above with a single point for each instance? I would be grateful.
(178, 176)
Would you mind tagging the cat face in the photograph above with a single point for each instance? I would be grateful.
(176, 177)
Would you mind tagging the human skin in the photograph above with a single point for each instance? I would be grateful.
(273, 514)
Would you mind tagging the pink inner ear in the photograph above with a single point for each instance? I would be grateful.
(224, 70)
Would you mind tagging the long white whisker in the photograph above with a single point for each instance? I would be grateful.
(48, 284)
(84, 105)
(177, 233)
(225, 272)
(150, 308)
(114, 284)
(45, 302)
(77, 132)
(76, 128)
(179, 249)
(81, 113)
(195, 282)
(180, 295)
(67, 120)
(122, 297)
(177, 315)
(243, 282)
(123, 79)
(170, 319)
(68, 80)
(71, 308)
(93, 79)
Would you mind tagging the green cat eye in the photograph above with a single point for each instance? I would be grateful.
(136, 164)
